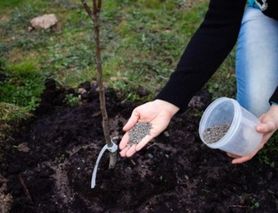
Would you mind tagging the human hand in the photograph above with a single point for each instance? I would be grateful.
(158, 113)
(267, 126)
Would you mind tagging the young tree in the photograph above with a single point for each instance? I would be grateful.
(94, 14)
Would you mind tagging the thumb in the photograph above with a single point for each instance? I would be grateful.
(265, 127)
(132, 120)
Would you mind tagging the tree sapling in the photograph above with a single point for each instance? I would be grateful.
(94, 14)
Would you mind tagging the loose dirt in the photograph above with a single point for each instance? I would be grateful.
(174, 173)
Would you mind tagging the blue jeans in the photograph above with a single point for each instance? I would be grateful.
(257, 61)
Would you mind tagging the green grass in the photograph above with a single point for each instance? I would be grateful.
(12, 113)
(10, 116)
(4, 4)
(142, 41)
(19, 92)
(268, 154)
(23, 84)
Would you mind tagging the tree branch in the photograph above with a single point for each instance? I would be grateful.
(99, 5)
(87, 8)
(95, 10)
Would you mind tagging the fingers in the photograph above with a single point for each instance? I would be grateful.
(124, 141)
(266, 127)
(128, 150)
(143, 143)
(242, 159)
(232, 155)
(131, 151)
(123, 151)
(266, 138)
(132, 120)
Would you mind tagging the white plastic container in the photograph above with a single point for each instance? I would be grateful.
(241, 137)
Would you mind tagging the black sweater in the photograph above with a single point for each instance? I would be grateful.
(206, 51)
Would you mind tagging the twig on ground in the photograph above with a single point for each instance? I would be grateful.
(26, 191)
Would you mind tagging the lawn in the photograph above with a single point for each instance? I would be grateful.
(141, 41)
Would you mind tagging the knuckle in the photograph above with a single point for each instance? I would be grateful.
(135, 111)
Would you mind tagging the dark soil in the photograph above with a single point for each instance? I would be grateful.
(49, 162)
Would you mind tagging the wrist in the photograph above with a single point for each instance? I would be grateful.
(169, 107)
(274, 112)
(274, 107)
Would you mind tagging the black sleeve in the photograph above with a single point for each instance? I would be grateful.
(207, 49)
(274, 97)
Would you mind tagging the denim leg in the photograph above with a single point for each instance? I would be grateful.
(257, 61)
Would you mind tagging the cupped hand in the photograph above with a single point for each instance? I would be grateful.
(267, 127)
(158, 113)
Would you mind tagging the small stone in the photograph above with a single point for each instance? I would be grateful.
(166, 134)
(85, 85)
(23, 147)
(81, 91)
(44, 22)
(150, 155)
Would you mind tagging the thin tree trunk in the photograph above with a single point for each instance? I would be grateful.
(94, 14)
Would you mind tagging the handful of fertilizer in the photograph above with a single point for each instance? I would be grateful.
(138, 132)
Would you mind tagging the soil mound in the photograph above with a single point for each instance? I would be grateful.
(175, 173)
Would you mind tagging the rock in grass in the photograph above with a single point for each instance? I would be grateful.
(215, 133)
(44, 22)
(139, 131)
